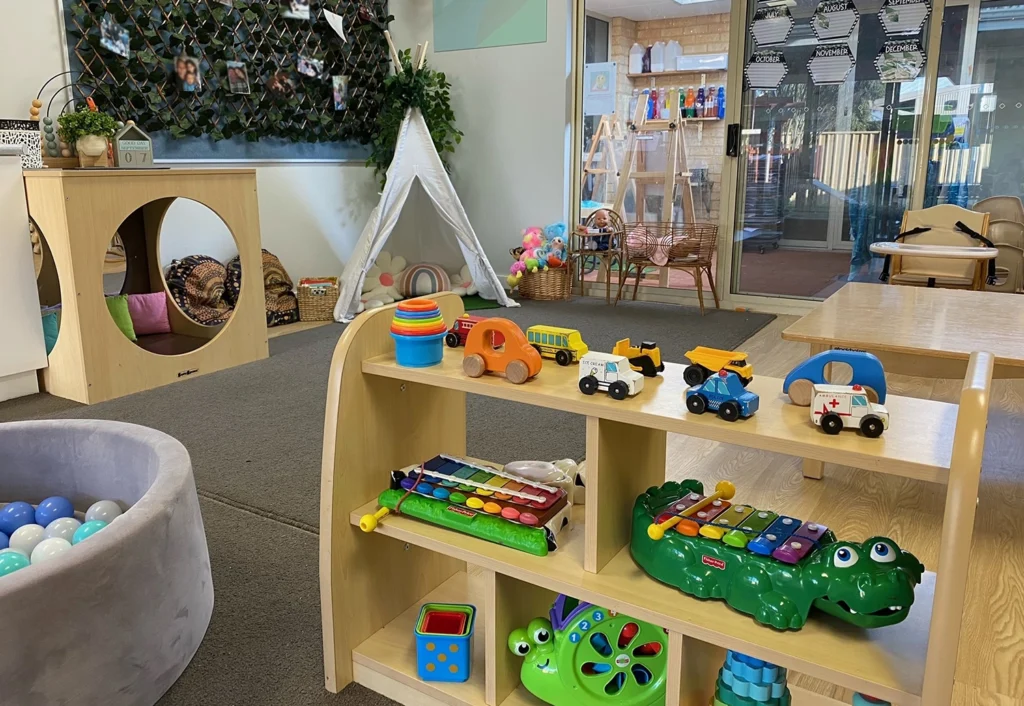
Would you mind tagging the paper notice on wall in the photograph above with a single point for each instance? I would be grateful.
(830, 63)
(903, 16)
(599, 88)
(834, 19)
(771, 25)
(900, 61)
(765, 69)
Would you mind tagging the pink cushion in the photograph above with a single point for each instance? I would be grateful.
(149, 313)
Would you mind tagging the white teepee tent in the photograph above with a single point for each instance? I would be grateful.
(416, 158)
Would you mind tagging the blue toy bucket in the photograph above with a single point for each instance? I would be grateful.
(419, 351)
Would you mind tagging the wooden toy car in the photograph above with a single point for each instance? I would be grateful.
(517, 359)
(457, 334)
(564, 345)
(645, 359)
(706, 361)
(867, 372)
(722, 393)
(838, 407)
(604, 371)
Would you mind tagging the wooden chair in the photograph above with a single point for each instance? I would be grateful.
(688, 246)
(939, 272)
(580, 254)
(1001, 208)
(1008, 237)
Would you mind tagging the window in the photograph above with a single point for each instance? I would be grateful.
(612, 368)
(720, 386)
(531, 336)
(860, 401)
(562, 342)
(544, 338)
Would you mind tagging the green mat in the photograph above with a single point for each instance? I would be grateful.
(476, 303)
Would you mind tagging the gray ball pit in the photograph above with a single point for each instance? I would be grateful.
(117, 619)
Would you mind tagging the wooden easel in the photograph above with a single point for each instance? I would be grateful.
(603, 141)
(676, 170)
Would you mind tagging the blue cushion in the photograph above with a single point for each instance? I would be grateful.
(51, 327)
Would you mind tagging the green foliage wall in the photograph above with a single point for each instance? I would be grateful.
(143, 87)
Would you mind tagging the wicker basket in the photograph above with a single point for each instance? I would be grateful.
(317, 298)
(545, 285)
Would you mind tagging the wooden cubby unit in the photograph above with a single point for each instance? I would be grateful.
(381, 417)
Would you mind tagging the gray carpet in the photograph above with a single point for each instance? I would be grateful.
(255, 434)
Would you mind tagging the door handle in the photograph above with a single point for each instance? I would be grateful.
(732, 140)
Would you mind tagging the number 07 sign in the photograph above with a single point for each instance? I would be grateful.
(133, 149)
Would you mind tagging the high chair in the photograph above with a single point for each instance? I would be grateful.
(945, 225)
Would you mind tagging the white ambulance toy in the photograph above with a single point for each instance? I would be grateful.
(838, 407)
(604, 371)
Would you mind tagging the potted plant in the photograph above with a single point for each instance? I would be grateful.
(90, 132)
(412, 87)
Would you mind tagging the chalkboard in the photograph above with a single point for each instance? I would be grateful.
(175, 82)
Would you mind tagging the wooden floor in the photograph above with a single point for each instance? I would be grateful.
(857, 505)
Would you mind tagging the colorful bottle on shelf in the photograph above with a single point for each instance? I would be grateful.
(652, 105)
(690, 100)
(633, 100)
(699, 103)
(721, 103)
(709, 103)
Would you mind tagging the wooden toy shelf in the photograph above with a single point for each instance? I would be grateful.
(381, 417)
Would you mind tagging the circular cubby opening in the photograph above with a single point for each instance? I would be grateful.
(172, 276)
(47, 284)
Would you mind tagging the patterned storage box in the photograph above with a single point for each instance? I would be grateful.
(26, 134)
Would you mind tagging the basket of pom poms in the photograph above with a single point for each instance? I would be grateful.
(541, 269)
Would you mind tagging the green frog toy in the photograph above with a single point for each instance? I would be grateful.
(588, 656)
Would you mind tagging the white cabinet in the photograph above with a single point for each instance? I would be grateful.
(22, 350)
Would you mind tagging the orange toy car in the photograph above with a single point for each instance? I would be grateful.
(517, 359)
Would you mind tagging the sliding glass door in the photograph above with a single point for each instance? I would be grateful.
(825, 146)
(977, 141)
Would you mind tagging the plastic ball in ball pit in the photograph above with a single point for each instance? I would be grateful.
(53, 508)
(50, 549)
(63, 527)
(5, 541)
(11, 561)
(26, 537)
(103, 510)
(113, 593)
(87, 530)
(14, 515)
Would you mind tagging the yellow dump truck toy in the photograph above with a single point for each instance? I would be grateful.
(644, 359)
(706, 361)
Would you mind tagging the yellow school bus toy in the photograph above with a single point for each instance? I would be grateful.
(563, 344)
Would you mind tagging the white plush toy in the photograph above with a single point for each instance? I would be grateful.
(462, 283)
(381, 284)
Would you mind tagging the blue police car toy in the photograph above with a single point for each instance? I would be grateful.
(723, 393)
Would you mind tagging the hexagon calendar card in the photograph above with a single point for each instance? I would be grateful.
(834, 19)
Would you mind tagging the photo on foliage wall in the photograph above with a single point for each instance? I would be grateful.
(113, 37)
(339, 84)
(295, 9)
(314, 68)
(189, 74)
(238, 78)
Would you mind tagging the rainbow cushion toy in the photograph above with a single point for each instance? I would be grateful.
(418, 330)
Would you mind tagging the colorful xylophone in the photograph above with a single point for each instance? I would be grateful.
(759, 531)
(485, 502)
(769, 565)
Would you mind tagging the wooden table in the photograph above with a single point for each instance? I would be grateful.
(943, 252)
(918, 330)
